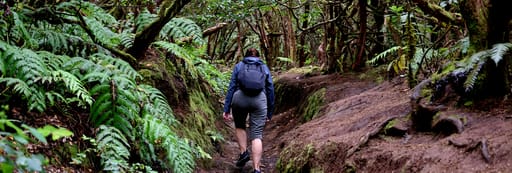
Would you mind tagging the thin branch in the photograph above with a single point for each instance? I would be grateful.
(214, 29)
(125, 56)
(438, 12)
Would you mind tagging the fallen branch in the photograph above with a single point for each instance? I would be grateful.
(214, 29)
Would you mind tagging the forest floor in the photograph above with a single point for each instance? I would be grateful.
(347, 133)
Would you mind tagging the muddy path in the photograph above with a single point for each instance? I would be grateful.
(347, 133)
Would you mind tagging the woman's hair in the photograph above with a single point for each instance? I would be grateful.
(252, 52)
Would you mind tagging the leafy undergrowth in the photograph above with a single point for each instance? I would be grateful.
(349, 132)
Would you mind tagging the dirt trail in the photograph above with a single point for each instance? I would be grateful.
(347, 134)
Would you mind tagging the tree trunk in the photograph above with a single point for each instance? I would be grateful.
(362, 35)
(476, 13)
(330, 39)
(143, 39)
(289, 39)
(302, 38)
(239, 48)
(378, 16)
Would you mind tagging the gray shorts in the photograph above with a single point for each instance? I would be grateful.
(255, 107)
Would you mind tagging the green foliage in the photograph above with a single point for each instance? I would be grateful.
(181, 29)
(294, 158)
(57, 63)
(313, 104)
(177, 155)
(196, 65)
(144, 19)
(475, 62)
(56, 133)
(383, 55)
(32, 75)
(14, 155)
(115, 149)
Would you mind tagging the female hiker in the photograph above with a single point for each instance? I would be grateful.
(250, 93)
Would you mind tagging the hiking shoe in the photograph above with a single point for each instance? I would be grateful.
(257, 171)
(242, 159)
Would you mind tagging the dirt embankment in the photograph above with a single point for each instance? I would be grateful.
(351, 132)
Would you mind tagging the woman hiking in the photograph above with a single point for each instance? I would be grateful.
(250, 93)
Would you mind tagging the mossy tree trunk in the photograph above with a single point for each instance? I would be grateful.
(168, 10)
(487, 24)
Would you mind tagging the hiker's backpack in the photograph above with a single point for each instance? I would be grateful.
(251, 79)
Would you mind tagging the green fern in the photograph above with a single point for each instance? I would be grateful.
(115, 149)
(473, 68)
(114, 106)
(115, 65)
(103, 34)
(474, 64)
(498, 51)
(182, 29)
(127, 39)
(383, 55)
(21, 30)
(178, 153)
(180, 52)
(144, 19)
(73, 85)
(90, 10)
(27, 67)
(155, 104)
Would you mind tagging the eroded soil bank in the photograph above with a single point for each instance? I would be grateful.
(351, 132)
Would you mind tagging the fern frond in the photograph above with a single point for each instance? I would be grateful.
(51, 40)
(102, 33)
(80, 66)
(182, 29)
(144, 19)
(114, 149)
(178, 152)
(383, 54)
(90, 10)
(37, 100)
(473, 66)
(54, 62)
(18, 85)
(155, 104)
(476, 59)
(97, 76)
(74, 85)
(116, 104)
(27, 65)
(127, 39)
(117, 65)
(499, 50)
(472, 76)
(21, 30)
(182, 53)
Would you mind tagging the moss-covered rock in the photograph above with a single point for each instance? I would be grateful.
(295, 158)
(311, 107)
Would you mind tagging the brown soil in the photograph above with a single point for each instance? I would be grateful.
(347, 134)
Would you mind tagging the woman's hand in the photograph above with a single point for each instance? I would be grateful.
(227, 116)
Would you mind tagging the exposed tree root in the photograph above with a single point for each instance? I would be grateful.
(364, 139)
(472, 145)
(447, 125)
(485, 151)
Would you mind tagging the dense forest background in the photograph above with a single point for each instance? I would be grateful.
(125, 86)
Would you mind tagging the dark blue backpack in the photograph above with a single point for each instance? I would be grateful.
(251, 79)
